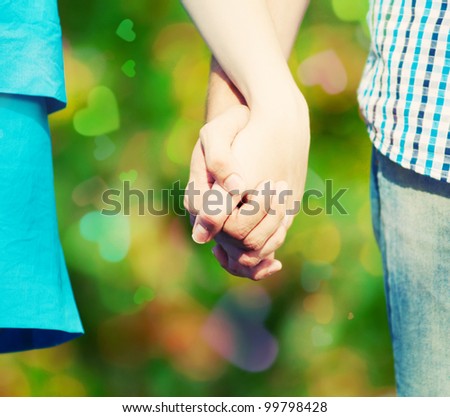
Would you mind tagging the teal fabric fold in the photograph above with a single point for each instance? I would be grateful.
(37, 306)
(31, 55)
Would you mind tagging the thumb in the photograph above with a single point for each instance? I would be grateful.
(198, 182)
(216, 138)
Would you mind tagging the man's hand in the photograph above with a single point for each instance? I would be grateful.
(272, 146)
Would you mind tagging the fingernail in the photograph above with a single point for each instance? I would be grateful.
(234, 184)
(275, 267)
(200, 234)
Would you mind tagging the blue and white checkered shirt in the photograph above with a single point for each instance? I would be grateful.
(404, 95)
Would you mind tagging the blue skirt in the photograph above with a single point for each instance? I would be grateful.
(37, 307)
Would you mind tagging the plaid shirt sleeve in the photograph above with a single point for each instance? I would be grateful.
(404, 94)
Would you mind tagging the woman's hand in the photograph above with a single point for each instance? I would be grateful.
(268, 150)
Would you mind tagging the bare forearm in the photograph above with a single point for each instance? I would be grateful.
(222, 93)
(243, 39)
(286, 16)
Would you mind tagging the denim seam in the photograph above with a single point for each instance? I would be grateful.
(380, 235)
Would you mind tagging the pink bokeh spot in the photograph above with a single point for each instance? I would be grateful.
(235, 329)
(324, 69)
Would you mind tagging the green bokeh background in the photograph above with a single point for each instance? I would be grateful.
(145, 291)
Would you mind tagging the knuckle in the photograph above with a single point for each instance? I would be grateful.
(243, 111)
(279, 237)
(280, 213)
(209, 221)
(249, 261)
(188, 207)
(208, 135)
(239, 232)
(216, 164)
(278, 241)
(253, 275)
(253, 243)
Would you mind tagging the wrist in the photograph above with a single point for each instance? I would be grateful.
(222, 93)
(271, 82)
(279, 99)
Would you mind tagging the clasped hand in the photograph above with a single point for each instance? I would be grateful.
(247, 177)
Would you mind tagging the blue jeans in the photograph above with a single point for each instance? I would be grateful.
(411, 220)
